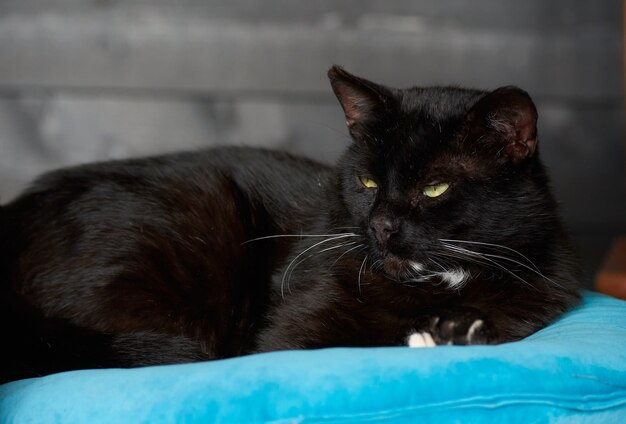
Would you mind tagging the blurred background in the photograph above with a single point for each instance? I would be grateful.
(86, 80)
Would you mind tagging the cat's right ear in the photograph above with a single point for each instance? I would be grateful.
(363, 101)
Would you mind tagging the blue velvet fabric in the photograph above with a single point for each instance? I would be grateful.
(573, 371)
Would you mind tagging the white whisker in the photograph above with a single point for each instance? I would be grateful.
(466, 257)
(522, 265)
(489, 255)
(342, 255)
(361, 269)
(465, 251)
(310, 256)
(337, 246)
(494, 246)
(437, 263)
(300, 236)
(376, 265)
(282, 283)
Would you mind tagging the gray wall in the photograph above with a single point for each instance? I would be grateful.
(84, 80)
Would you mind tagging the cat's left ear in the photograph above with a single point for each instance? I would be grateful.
(507, 118)
(363, 102)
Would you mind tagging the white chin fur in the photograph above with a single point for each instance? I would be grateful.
(454, 278)
(417, 266)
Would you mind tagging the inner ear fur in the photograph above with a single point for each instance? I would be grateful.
(362, 101)
(507, 118)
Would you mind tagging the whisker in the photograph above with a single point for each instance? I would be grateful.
(282, 283)
(465, 257)
(349, 250)
(373, 264)
(431, 259)
(494, 246)
(410, 271)
(442, 260)
(499, 265)
(299, 235)
(418, 279)
(486, 256)
(377, 265)
(310, 256)
(337, 246)
(361, 269)
(469, 255)
(523, 265)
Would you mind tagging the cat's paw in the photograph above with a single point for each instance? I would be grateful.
(420, 340)
(462, 327)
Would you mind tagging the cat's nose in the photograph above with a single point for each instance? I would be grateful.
(383, 228)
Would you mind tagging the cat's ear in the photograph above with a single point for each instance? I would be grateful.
(363, 101)
(507, 118)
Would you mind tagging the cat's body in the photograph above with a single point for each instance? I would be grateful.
(438, 223)
(156, 248)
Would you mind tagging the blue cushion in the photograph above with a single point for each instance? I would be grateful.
(572, 371)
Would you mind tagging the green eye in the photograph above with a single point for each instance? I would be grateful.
(368, 182)
(436, 190)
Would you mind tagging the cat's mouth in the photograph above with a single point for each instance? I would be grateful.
(410, 271)
(401, 269)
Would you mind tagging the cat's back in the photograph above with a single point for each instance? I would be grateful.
(106, 244)
(273, 178)
(262, 169)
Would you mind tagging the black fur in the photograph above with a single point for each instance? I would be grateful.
(197, 256)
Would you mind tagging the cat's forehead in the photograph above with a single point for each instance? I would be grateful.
(421, 142)
(410, 161)
(438, 103)
(424, 142)
(430, 160)
(429, 122)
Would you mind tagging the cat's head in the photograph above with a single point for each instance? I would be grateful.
(434, 172)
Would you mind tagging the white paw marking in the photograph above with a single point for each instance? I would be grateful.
(420, 340)
(454, 278)
(475, 326)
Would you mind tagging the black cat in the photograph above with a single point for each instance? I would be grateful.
(437, 226)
